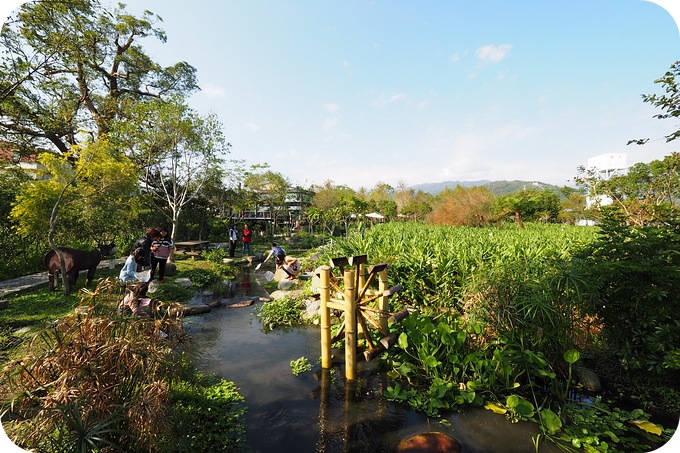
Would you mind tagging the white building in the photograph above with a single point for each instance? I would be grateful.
(605, 166)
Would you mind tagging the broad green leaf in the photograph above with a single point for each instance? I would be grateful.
(551, 421)
(571, 356)
(403, 340)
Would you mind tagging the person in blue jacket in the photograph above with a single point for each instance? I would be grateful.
(279, 255)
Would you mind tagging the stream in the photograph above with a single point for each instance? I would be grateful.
(318, 411)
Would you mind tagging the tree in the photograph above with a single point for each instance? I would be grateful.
(530, 205)
(177, 148)
(90, 190)
(669, 102)
(70, 70)
(272, 190)
(461, 206)
(648, 193)
(572, 207)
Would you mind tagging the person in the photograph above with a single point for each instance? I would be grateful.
(246, 238)
(278, 253)
(145, 244)
(233, 238)
(162, 250)
(127, 273)
(291, 266)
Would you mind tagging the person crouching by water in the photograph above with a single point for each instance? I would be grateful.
(279, 255)
(291, 266)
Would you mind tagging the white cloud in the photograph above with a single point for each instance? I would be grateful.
(213, 90)
(387, 98)
(456, 57)
(252, 127)
(330, 123)
(331, 107)
(493, 54)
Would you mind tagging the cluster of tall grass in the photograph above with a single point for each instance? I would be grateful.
(501, 314)
(508, 279)
(95, 380)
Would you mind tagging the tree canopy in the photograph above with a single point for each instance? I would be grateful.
(69, 70)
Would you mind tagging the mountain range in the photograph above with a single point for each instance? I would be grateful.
(497, 188)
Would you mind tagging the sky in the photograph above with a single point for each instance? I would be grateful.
(412, 92)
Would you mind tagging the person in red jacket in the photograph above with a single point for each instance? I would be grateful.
(246, 238)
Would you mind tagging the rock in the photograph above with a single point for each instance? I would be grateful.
(215, 304)
(294, 294)
(183, 281)
(429, 442)
(4, 304)
(228, 260)
(170, 269)
(245, 303)
(311, 308)
(590, 381)
(190, 310)
(286, 284)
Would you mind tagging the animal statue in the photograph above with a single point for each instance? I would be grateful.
(76, 261)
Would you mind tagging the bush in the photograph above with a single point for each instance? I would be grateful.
(207, 415)
(280, 312)
(636, 269)
(93, 380)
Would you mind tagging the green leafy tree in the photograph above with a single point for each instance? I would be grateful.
(89, 194)
(636, 269)
(530, 205)
(177, 148)
(648, 193)
(272, 190)
(74, 67)
(669, 102)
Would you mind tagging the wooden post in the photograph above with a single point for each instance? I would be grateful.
(383, 304)
(360, 280)
(325, 294)
(350, 326)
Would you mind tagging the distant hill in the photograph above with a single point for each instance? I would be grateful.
(497, 188)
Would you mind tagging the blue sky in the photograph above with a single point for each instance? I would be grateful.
(425, 91)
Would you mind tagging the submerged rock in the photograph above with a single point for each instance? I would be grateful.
(429, 442)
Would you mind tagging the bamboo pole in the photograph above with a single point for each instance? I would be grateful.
(360, 280)
(350, 326)
(384, 304)
(325, 295)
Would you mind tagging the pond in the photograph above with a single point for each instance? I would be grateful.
(318, 411)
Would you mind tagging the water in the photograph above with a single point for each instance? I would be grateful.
(318, 411)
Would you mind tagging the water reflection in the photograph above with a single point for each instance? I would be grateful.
(319, 411)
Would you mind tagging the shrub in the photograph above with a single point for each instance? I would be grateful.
(636, 269)
(93, 379)
(207, 414)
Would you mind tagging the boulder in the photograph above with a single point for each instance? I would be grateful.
(294, 294)
(588, 379)
(190, 310)
(170, 269)
(311, 308)
(183, 281)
